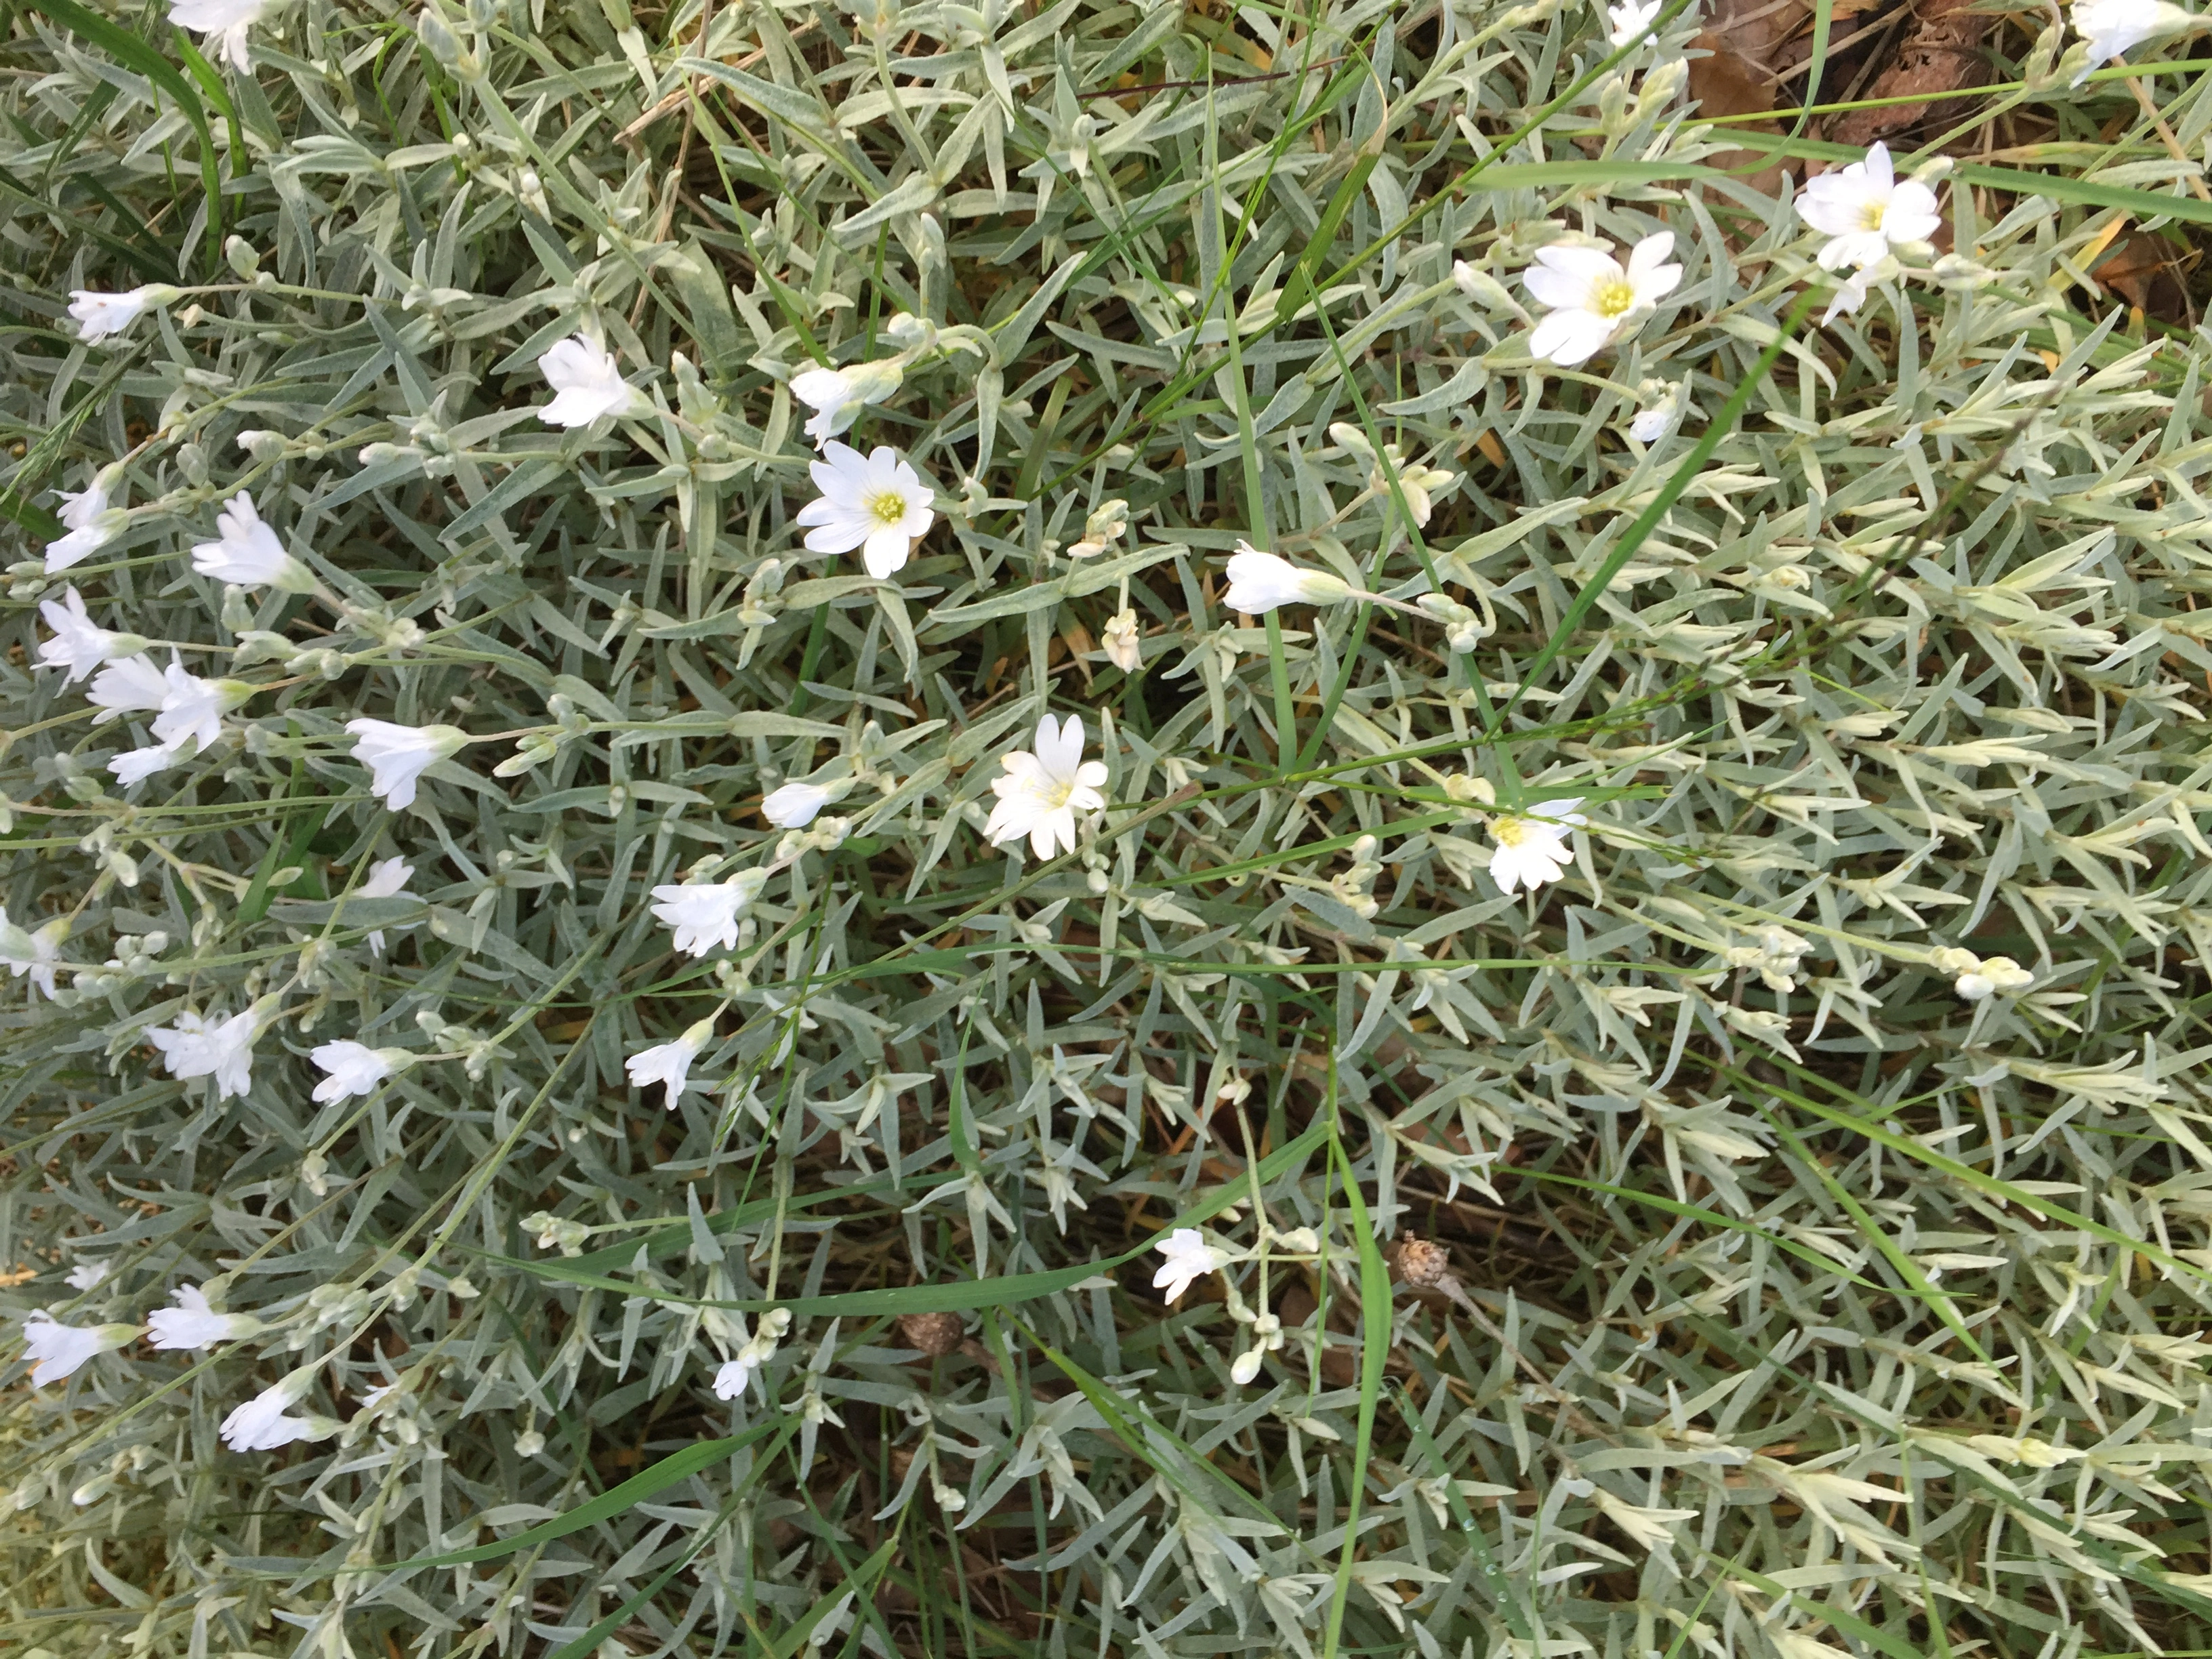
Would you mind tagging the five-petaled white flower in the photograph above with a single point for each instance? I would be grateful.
(1041, 792)
(353, 1069)
(261, 1423)
(35, 954)
(1592, 300)
(1864, 212)
(670, 1064)
(200, 1047)
(77, 645)
(2111, 26)
(192, 1324)
(1629, 20)
(795, 805)
(222, 23)
(99, 315)
(247, 551)
(704, 914)
(387, 878)
(1189, 1257)
(89, 520)
(837, 395)
(876, 502)
(1534, 850)
(59, 1349)
(731, 1379)
(588, 383)
(1260, 582)
(397, 756)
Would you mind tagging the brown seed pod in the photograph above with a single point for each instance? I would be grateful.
(1423, 1263)
(935, 1333)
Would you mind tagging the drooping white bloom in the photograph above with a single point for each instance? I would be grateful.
(1629, 20)
(1189, 1258)
(86, 514)
(1260, 582)
(192, 1324)
(86, 1275)
(1851, 291)
(2110, 27)
(35, 954)
(77, 645)
(59, 1349)
(1591, 299)
(670, 1064)
(261, 1424)
(1534, 850)
(99, 315)
(199, 1047)
(588, 383)
(731, 1379)
(1993, 976)
(194, 707)
(1123, 648)
(134, 766)
(247, 551)
(876, 502)
(387, 879)
(132, 684)
(1864, 212)
(704, 914)
(837, 395)
(353, 1069)
(221, 24)
(795, 805)
(397, 756)
(1041, 792)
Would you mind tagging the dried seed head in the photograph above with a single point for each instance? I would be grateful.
(935, 1333)
(1423, 1263)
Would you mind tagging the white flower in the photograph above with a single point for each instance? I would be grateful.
(354, 1068)
(837, 395)
(387, 879)
(1629, 20)
(1189, 1257)
(86, 1275)
(1591, 299)
(192, 1324)
(99, 315)
(248, 553)
(59, 1349)
(1533, 850)
(1041, 794)
(731, 1379)
(1998, 974)
(87, 516)
(1651, 424)
(529, 1444)
(130, 685)
(670, 1064)
(194, 707)
(876, 503)
(1123, 648)
(222, 1049)
(1850, 294)
(2112, 27)
(222, 23)
(704, 914)
(1864, 212)
(35, 954)
(1258, 582)
(134, 766)
(796, 804)
(260, 1424)
(76, 645)
(397, 756)
(586, 383)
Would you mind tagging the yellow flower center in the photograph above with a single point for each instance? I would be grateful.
(1613, 296)
(1871, 214)
(1507, 832)
(1056, 794)
(887, 508)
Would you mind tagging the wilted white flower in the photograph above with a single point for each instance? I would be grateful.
(1629, 20)
(732, 1379)
(353, 1069)
(1534, 850)
(1864, 212)
(247, 551)
(588, 383)
(387, 878)
(1189, 1258)
(876, 502)
(86, 1275)
(796, 804)
(1041, 792)
(704, 914)
(670, 1064)
(77, 645)
(91, 525)
(397, 756)
(261, 1423)
(99, 315)
(192, 1324)
(135, 766)
(1123, 648)
(197, 1047)
(59, 1349)
(2110, 27)
(837, 395)
(221, 24)
(1258, 582)
(1995, 975)
(35, 954)
(1592, 300)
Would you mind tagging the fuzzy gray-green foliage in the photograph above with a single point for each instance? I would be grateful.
(1798, 1305)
